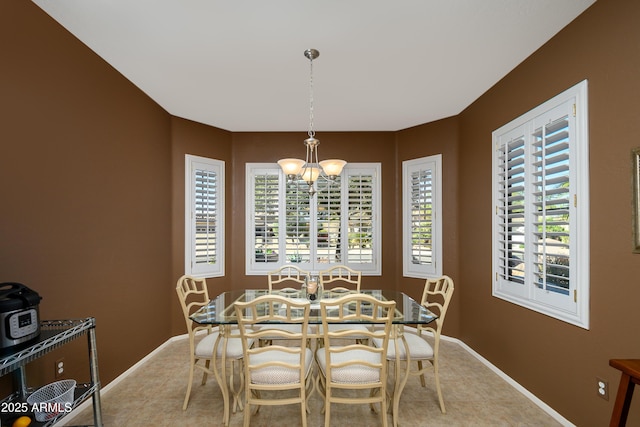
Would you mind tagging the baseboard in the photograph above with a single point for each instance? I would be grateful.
(104, 390)
(549, 410)
(532, 397)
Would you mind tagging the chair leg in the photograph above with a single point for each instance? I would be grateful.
(241, 367)
(303, 408)
(438, 388)
(422, 381)
(190, 383)
(247, 414)
(309, 389)
(383, 411)
(237, 402)
(320, 386)
(204, 376)
(327, 411)
(395, 405)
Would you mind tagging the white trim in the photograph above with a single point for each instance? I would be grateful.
(193, 163)
(532, 397)
(535, 400)
(573, 307)
(374, 268)
(422, 271)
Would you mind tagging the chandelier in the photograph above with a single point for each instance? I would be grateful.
(310, 169)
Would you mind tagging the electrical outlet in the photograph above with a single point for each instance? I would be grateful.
(59, 368)
(603, 388)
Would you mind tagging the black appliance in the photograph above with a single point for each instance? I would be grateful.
(19, 315)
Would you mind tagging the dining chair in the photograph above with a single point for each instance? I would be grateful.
(354, 366)
(337, 280)
(275, 367)
(436, 296)
(287, 277)
(193, 294)
(340, 277)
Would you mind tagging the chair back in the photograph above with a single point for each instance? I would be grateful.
(436, 296)
(192, 294)
(340, 278)
(272, 366)
(356, 365)
(287, 276)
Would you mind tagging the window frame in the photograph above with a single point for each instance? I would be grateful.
(192, 164)
(252, 267)
(522, 288)
(432, 164)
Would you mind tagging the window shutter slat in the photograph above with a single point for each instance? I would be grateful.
(266, 218)
(511, 209)
(298, 222)
(551, 261)
(205, 217)
(360, 219)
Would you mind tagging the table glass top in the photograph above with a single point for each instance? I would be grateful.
(221, 311)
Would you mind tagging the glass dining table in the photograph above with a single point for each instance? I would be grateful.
(221, 312)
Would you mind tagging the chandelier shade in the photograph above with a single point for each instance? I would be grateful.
(311, 169)
(310, 174)
(332, 167)
(291, 167)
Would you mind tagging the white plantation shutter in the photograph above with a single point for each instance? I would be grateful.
(297, 218)
(359, 219)
(266, 220)
(335, 226)
(422, 217)
(510, 208)
(329, 227)
(204, 223)
(540, 239)
(551, 205)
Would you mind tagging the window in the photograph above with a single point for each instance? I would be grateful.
(422, 217)
(541, 199)
(204, 216)
(340, 224)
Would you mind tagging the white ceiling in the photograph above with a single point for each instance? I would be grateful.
(383, 66)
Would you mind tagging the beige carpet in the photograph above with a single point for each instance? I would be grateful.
(474, 396)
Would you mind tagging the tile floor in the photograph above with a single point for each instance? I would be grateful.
(153, 394)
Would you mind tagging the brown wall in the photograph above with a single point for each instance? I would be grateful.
(440, 137)
(199, 140)
(92, 184)
(556, 361)
(84, 182)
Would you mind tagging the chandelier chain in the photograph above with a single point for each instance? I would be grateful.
(310, 169)
(311, 131)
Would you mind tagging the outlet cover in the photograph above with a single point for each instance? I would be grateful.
(602, 388)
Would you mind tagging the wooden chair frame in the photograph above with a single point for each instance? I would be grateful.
(436, 296)
(274, 367)
(193, 294)
(335, 360)
(344, 277)
(287, 275)
(341, 278)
